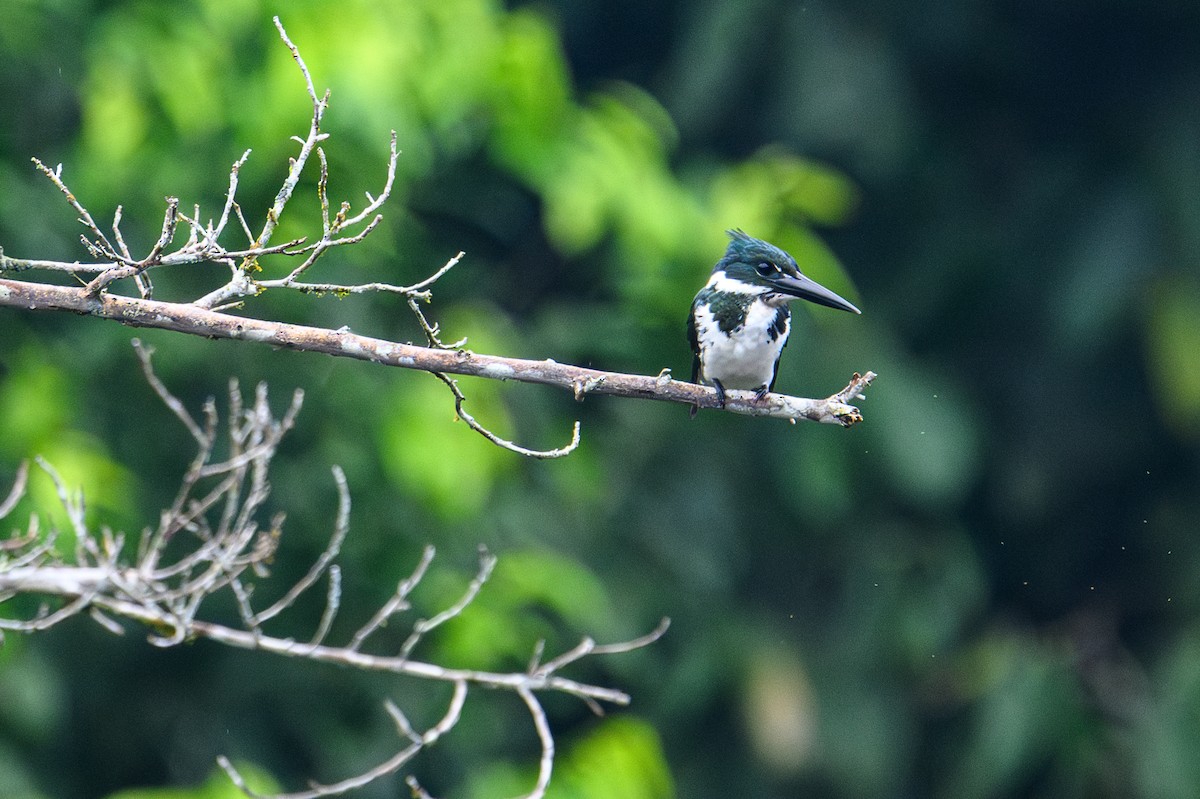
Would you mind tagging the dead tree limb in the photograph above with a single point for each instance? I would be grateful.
(214, 539)
(580, 381)
(343, 226)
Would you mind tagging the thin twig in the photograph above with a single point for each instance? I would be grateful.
(542, 454)
(542, 725)
(16, 492)
(396, 603)
(102, 244)
(487, 562)
(341, 528)
(144, 354)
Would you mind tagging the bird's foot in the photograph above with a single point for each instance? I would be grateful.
(761, 393)
(720, 393)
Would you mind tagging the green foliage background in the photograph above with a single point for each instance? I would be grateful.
(989, 589)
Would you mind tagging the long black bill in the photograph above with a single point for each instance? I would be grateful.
(808, 289)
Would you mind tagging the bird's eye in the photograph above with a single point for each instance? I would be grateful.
(767, 269)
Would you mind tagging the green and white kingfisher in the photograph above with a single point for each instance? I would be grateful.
(740, 321)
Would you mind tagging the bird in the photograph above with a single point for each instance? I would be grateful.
(739, 321)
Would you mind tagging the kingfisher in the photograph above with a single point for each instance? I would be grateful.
(740, 320)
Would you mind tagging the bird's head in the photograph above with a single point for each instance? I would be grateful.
(764, 266)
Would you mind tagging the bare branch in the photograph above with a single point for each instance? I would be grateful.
(106, 621)
(306, 147)
(211, 540)
(164, 586)
(229, 195)
(101, 246)
(344, 227)
(544, 454)
(577, 380)
(333, 598)
(417, 288)
(589, 647)
(154, 258)
(634, 643)
(418, 741)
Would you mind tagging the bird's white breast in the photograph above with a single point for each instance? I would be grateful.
(745, 357)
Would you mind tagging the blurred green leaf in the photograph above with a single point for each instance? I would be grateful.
(108, 488)
(427, 451)
(217, 786)
(621, 756)
(1174, 340)
(1167, 727)
(33, 701)
(774, 180)
(15, 780)
(435, 459)
(780, 708)
(1027, 706)
(36, 397)
(925, 434)
(531, 95)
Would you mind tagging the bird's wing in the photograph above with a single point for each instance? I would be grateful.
(694, 341)
(782, 324)
(775, 373)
